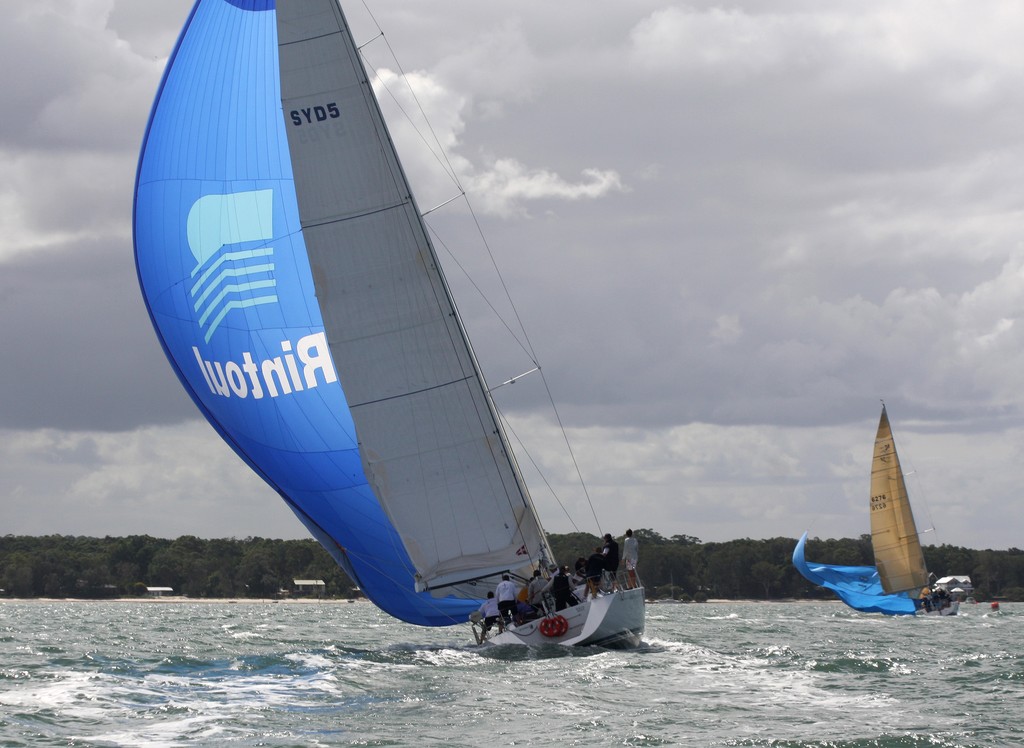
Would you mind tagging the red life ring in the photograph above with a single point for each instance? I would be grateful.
(556, 626)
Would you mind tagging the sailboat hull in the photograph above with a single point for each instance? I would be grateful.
(614, 621)
(950, 610)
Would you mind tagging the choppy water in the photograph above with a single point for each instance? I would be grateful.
(291, 674)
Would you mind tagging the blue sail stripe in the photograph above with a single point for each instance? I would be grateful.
(231, 273)
(220, 259)
(236, 304)
(230, 289)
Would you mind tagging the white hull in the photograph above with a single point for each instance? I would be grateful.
(614, 620)
(949, 610)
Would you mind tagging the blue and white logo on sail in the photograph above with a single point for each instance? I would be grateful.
(229, 274)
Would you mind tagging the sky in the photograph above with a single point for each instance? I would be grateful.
(730, 231)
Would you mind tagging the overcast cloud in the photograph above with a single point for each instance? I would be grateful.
(730, 229)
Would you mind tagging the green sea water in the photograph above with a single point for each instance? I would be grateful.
(331, 674)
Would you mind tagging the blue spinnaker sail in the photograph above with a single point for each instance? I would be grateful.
(857, 586)
(224, 272)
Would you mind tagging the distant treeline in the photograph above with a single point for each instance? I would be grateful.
(686, 568)
(73, 566)
(680, 566)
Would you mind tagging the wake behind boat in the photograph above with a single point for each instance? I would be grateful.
(898, 582)
(295, 290)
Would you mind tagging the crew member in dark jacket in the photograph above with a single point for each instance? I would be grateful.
(595, 567)
(611, 558)
(561, 589)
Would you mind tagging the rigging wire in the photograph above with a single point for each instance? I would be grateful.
(543, 476)
(445, 164)
(918, 485)
(441, 156)
(449, 170)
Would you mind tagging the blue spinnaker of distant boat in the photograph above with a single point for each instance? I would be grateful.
(280, 254)
(857, 586)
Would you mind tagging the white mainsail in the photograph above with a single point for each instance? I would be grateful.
(431, 444)
(894, 537)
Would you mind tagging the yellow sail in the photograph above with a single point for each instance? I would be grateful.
(894, 538)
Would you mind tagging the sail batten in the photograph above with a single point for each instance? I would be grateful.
(337, 219)
(440, 385)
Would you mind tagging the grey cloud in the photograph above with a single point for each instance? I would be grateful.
(80, 351)
(819, 207)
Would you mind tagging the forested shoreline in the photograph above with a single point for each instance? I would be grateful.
(680, 566)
